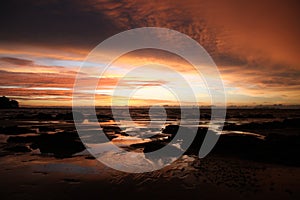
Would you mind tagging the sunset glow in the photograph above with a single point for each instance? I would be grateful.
(259, 62)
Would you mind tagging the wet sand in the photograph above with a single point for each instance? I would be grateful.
(29, 176)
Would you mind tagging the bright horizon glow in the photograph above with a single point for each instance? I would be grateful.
(45, 85)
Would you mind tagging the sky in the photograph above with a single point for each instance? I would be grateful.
(255, 45)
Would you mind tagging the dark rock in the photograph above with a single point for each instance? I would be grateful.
(15, 130)
(71, 180)
(253, 116)
(104, 118)
(62, 144)
(6, 103)
(156, 145)
(282, 149)
(289, 123)
(18, 148)
(205, 116)
(277, 149)
(111, 131)
(171, 129)
(150, 146)
(194, 148)
(287, 126)
(69, 116)
(22, 139)
(238, 145)
(170, 132)
(255, 126)
(46, 129)
(44, 116)
(100, 118)
(90, 158)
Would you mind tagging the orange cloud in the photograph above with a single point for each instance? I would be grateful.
(254, 43)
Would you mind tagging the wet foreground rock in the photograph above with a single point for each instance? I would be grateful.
(61, 144)
(15, 130)
(277, 149)
(265, 126)
(274, 148)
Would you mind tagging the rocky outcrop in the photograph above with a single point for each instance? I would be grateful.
(8, 103)
(61, 144)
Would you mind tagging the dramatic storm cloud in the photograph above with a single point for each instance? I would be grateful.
(255, 45)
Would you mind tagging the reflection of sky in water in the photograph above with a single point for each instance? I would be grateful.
(141, 130)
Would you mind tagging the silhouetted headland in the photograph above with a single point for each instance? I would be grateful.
(8, 103)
